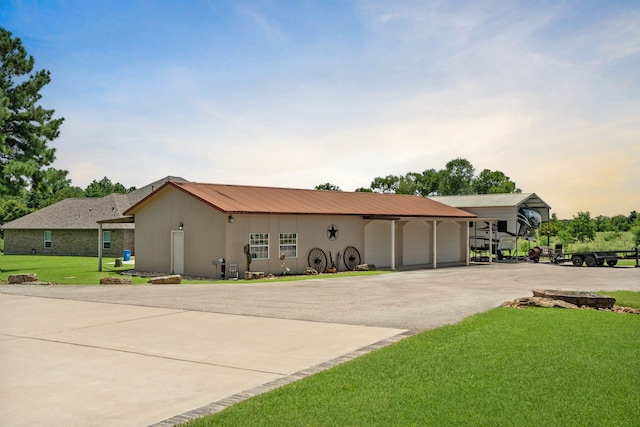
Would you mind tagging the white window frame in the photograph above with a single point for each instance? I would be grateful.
(106, 239)
(259, 245)
(288, 245)
(47, 239)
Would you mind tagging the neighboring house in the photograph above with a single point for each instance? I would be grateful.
(70, 226)
(513, 215)
(192, 228)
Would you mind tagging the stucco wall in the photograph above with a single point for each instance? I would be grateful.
(312, 233)
(66, 242)
(203, 228)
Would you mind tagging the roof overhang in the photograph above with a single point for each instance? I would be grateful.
(121, 220)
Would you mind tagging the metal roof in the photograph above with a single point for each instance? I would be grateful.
(237, 199)
(528, 200)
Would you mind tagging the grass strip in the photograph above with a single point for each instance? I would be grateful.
(525, 367)
(75, 270)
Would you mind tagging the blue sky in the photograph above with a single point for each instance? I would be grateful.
(298, 93)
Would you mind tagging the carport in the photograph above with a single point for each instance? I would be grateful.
(121, 220)
(411, 241)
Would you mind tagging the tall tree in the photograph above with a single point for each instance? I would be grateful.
(388, 184)
(104, 187)
(582, 228)
(25, 127)
(492, 182)
(11, 209)
(328, 187)
(457, 177)
(55, 187)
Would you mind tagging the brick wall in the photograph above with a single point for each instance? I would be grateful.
(66, 242)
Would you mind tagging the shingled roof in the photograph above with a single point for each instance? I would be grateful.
(83, 213)
(237, 199)
(78, 214)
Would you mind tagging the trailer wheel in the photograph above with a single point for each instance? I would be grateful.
(600, 262)
(590, 260)
(577, 260)
(612, 262)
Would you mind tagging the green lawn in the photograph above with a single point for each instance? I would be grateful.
(507, 367)
(69, 270)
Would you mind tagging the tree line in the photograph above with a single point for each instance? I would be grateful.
(54, 187)
(583, 228)
(457, 177)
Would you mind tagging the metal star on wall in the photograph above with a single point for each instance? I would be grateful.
(332, 232)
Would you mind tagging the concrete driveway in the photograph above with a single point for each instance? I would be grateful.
(139, 355)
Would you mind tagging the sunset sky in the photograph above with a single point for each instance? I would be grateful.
(299, 93)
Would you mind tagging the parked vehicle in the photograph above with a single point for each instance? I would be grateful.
(588, 258)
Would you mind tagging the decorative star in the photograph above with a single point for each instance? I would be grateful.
(332, 232)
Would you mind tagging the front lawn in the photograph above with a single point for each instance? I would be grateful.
(72, 270)
(524, 367)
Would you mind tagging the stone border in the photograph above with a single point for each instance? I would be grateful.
(221, 404)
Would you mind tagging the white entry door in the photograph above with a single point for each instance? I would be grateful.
(177, 252)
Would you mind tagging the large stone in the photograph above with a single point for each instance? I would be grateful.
(173, 279)
(17, 279)
(577, 298)
(253, 275)
(116, 281)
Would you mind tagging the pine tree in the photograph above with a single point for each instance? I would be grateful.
(25, 127)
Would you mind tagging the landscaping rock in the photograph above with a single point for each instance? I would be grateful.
(253, 275)
(116, 281)
(174, 279)
(17, 279)
(539, 302)
(577, 298)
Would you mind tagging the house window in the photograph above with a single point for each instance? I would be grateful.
(289, 245)
(47, 239)
(502, 226)
(259, 245)
(106, 240)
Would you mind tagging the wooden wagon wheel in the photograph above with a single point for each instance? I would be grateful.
(317, 260)
(351, 258)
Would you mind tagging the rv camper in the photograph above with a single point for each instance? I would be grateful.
(512, 217)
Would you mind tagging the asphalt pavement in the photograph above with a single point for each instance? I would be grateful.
(161, 354)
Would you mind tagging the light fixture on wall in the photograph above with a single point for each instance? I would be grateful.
(180, 226)
(231, 218)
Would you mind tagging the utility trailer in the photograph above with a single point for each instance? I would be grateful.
(594, 258)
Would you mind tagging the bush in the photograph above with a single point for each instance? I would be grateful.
(636, 236)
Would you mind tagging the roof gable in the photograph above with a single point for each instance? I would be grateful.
(236, 199)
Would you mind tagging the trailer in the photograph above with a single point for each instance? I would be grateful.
(594, 258)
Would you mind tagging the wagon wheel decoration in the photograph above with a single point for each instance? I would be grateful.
(351, 258)
(317, 260)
